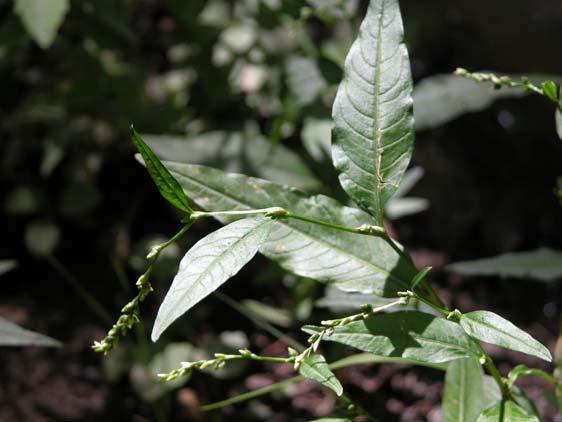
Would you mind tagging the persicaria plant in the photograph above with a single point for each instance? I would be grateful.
(348, 247)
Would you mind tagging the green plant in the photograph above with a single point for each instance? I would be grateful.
(350, 248)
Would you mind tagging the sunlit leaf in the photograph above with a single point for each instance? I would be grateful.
(315, 368)
(491, 328)
(373, 134)
(208, 264)
(366, 264)
(407, 334)
(541, 264)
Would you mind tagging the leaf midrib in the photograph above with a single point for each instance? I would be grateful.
(516, 339)
(376, 115)
(329, 245)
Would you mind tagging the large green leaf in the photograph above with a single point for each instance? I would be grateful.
(42, 18)
(407, 334)
(506, 412)
(541, 264)
(315, 368)
(237, 152)
(373, 133)
(13, 335)
(164, 181)
(463, 395)
(493, 329)
(364, 264)
(208, 264)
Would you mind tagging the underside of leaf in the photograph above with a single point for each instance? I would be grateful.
(373, 118)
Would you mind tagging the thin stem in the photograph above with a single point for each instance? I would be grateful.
(358, 359)
(130, 313)
(500, 81)
(495, 373)
(278, 212)
(90, 300)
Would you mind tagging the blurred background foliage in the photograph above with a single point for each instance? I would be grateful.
(245, 86)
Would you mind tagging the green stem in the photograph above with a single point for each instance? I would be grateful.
(358, 359)
(278, 212)
(495, 373)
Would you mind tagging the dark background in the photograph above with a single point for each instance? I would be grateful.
(490, 188)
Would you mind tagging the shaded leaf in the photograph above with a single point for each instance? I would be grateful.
(366, 264)
(304, 79)
(316, 137)
(145, 380)
(401, 207)
(7, 265)
(463, 394)
(42, 19)
(373, 133)
(42, 238)
(164, 181)
(439, 99)
(541, 264)
(13, 335)
(407, 334)
(237, 153)
(491, 328)
(277, 316)
(506, 412)
(208, 264)
(315, 368)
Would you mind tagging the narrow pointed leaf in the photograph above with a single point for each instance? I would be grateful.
(506, 412)
(315, 368)
(541, 264)
(491, 328)
(208, 264)
(41, 18)
(363, 264)
(164, 181)
(407, 334)
(373, 133)
(463, 395)
(13, 335)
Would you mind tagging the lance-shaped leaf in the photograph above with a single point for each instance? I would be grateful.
(164, 181)
(408, 334)
(491, 328)
(507, 411)
(13, 335)
(363, 264)
(315, 368)
(464, 394)
(373, 133)
(541, 264)
(208, 264)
